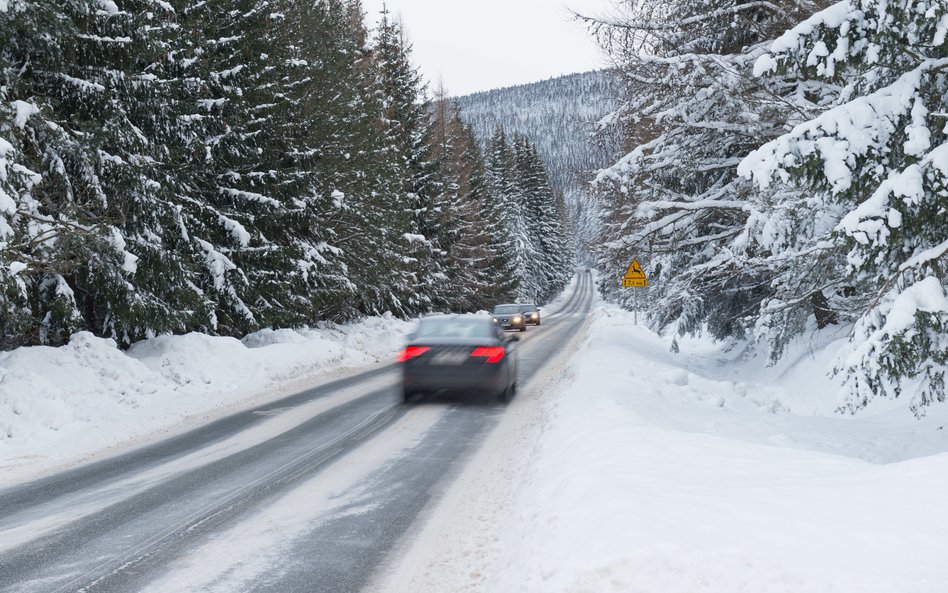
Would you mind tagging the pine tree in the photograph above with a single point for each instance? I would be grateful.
(475, 246)
(553, 266)
(504, 184)
(418, 210)
(182, 165)
(875, 168)
(492, 246)
(77, 73)
(491, 249)
(692, 111)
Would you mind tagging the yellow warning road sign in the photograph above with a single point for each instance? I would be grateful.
(634, 276)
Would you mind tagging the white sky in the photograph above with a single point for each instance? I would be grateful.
(477, 45)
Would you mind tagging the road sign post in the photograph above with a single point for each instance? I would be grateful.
(635, 278)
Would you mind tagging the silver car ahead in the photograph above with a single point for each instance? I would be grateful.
(531, 313)
(509, 317)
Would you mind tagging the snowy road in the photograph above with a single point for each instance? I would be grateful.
(309, 493)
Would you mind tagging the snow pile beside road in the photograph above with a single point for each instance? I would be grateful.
(663, 473)
(60, 405)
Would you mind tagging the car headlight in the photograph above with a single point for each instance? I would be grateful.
(518, 318)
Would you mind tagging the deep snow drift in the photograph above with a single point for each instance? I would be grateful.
(638, 470)
(623, 467)
(663, 474)
(61, 405)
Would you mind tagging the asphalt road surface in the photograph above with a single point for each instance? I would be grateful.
(306, 494)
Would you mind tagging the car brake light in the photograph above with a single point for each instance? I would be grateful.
(491, 353)
(411, 352)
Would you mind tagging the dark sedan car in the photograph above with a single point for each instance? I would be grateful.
(509, 317)
(459, 354)
(531, 313)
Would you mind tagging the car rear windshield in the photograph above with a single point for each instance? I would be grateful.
(504, 309)
(455, 328)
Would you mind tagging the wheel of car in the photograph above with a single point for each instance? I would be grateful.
(407, 395)
(508, 393)
(523, 327)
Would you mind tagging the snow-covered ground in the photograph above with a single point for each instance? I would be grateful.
(88, 399)
(622, 467)
(59, 406)
(636, 470)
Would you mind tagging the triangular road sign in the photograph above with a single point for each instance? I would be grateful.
(634, 276)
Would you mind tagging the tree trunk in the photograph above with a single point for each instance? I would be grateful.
(824, 315)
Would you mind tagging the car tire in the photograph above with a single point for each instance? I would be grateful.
(407, 396)
(523, 328)
(508, 393)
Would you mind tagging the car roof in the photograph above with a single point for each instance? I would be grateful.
(455, 329)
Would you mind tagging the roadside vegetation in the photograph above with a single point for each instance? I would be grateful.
(221, 167)
(787, 170)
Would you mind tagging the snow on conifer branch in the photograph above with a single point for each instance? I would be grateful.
(879, 158)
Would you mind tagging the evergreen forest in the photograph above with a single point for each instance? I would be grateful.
(229, 165)
(779, 168)
(567, 118)
(786, 171)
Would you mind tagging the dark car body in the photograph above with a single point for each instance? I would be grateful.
(508, 316)
(531, 313)
(459, 354)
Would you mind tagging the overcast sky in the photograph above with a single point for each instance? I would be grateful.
(477, 45)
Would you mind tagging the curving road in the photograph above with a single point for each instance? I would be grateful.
(308, 493)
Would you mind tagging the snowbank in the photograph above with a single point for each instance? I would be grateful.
(62, 405)
(662, 473)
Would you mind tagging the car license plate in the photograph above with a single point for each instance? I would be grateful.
(449, 358)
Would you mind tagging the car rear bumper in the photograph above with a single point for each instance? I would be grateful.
(484, 378)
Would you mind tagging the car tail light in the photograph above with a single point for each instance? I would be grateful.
(491, 353)
(411, 352)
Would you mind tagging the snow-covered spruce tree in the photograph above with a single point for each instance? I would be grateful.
(541, 262)
(16, 210)
(247, 190)
(275, 143)
(692, 110)
(475, 248)
(499, 250)
(336, 159)
(128, 44)
(419, 217)
(453, 209)
(876, 168)
(76, 73)
(502, 177)
(553, 266)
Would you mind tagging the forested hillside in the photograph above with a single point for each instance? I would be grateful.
(558, 115)
(225, 166)
(561, 116)
(789, 172)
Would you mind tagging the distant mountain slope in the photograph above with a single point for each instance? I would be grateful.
(556, 115)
